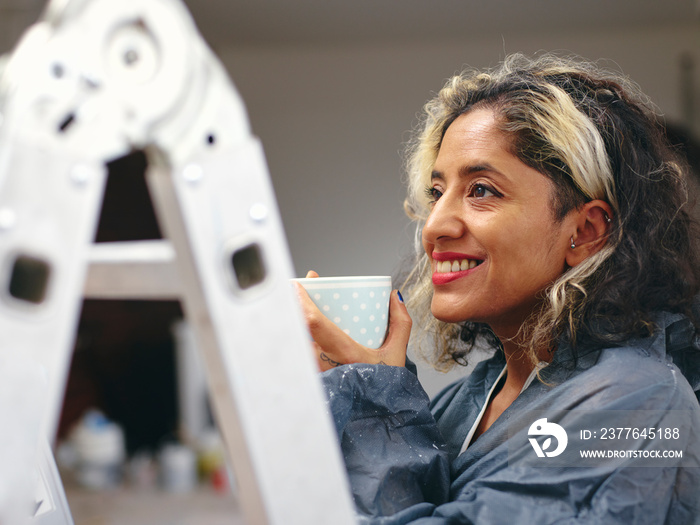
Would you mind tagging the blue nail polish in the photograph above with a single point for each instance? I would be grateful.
(400, 296)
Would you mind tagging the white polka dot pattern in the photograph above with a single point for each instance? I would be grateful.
(358, 305)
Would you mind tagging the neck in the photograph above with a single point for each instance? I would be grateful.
(519, 365)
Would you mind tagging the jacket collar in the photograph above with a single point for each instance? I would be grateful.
(675, 339)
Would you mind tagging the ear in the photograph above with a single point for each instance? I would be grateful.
(592, 223)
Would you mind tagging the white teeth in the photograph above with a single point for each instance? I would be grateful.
(455, 266)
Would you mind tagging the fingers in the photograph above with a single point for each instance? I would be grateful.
(333, 347)
(311, 274)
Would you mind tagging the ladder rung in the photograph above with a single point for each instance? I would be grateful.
(132, 270)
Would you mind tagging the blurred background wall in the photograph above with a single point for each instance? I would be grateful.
(333, 89)
(334, 119)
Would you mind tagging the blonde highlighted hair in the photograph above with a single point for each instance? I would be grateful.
(595, 136)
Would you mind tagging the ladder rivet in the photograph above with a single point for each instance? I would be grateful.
(192, 173)
(258, 212)
(131, 57)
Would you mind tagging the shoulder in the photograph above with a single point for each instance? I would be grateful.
(633, 376)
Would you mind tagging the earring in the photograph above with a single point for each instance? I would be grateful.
(607, 219)
(573, 244)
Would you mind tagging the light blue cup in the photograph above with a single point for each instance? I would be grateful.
(358, 305)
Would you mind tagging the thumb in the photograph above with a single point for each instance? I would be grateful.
(400, 324)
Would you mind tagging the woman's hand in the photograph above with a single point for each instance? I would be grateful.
(334, 347)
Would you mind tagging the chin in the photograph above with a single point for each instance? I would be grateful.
(446, 315)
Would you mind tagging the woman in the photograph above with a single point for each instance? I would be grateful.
(555, 229)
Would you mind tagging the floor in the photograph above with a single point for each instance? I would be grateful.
(126, 506)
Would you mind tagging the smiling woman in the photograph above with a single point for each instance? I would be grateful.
(555, 229)
(595, 137)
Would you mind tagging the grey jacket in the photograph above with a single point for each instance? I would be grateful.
(635, 406)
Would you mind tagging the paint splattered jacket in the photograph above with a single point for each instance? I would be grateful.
(402, 452)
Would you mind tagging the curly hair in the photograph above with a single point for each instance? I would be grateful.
(595, 136)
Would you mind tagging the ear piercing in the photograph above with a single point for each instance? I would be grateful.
(573, 244)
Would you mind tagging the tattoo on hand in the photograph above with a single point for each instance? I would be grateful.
(324, 357)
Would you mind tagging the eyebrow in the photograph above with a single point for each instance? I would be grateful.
(466, 171)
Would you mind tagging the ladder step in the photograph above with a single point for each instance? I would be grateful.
(132, 270)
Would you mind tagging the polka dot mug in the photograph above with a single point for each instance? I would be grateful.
(358, 305)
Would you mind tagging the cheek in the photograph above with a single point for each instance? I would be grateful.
(533, 253)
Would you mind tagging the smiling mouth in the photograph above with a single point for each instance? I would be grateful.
(451, 270)
(460, 265)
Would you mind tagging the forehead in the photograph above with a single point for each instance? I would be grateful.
(474, 138)
(473, 133)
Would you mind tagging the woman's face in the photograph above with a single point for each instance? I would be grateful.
(491, 236)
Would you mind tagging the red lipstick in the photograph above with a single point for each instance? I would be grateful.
(442, 278)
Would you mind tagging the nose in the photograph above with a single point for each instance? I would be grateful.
(444, 222)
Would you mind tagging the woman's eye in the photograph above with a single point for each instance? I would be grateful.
(433, 194)
(480, 191)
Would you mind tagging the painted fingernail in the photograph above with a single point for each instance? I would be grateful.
(400, 296)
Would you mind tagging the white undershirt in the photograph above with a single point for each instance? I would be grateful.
(528, 381)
